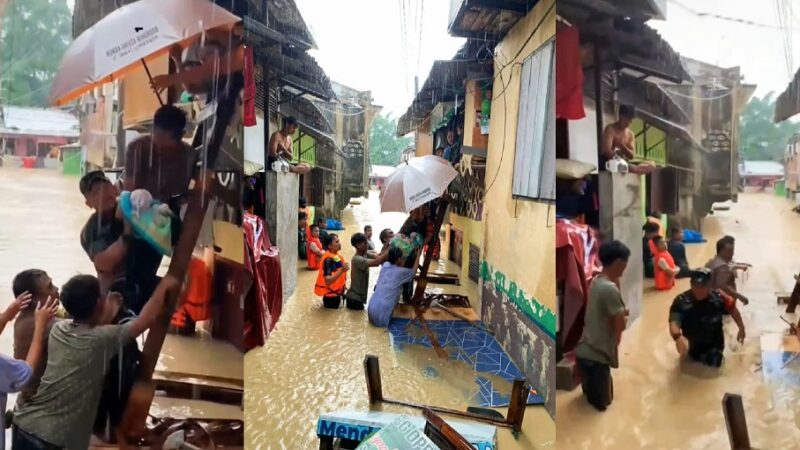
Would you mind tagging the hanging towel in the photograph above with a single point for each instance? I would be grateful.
(569, 75)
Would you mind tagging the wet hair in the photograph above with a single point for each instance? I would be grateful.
(171, 119)
(27, 281)
(655, 214)
(303, 202)
(367, 227)
(302, 216)
(614, 251)
(394, 254)
(651, 227)
(88, 181)
(313, 226)
(626, 112)
(331, 237)
(657, 240)
(289, 121)
(674, 231)
(384, 235)
(358, 238)
(724, 242)
(80, 296)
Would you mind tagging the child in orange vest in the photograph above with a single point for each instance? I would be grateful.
(332, 276)
(664, 268)
(315, 250)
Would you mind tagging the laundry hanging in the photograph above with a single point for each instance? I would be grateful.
(569, 75)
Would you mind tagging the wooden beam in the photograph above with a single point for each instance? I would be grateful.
(442, 434)
(517, 405)
(372, 370)
(735, 421)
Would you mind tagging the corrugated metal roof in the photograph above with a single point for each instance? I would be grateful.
(38, 122)
(760, 168)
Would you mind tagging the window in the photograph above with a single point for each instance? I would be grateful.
(534, 161)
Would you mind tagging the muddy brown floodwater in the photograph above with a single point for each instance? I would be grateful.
(661, 403)
(313, 364)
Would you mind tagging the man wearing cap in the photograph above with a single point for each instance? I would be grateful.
(695, 320)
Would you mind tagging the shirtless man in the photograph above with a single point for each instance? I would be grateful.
(618, 139)
(281, 145)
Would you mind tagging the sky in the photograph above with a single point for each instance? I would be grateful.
(759, 51)
(362, 44)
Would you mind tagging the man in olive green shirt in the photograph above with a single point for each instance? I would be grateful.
(604, 322)
(356, 296)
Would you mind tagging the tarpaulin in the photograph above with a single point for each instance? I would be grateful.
(264, 300)
(576, 264)
(569, 75)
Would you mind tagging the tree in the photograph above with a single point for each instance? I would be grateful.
(35, 34)
(761, 138)
(385, 148)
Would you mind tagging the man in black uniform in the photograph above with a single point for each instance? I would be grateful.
(695, 320)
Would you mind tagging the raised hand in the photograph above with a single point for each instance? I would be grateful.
(17, 305)
(45, 312)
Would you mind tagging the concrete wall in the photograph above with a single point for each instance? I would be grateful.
(282, 223)
(518, 283)
(473, 234)
(621, 219)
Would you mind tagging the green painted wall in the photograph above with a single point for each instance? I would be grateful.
(656, 143)
(304, 149)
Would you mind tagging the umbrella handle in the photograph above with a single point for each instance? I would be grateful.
(150, 76)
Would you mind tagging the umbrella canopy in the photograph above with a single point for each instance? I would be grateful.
(134, 33)
(415, 183)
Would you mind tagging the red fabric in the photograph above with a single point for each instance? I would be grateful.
(576, 264)
(249, 114)
(264, 301)
(569, 75)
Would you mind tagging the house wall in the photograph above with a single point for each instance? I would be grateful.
(583, 135)
(423, 139)
(282, 224)
(518, 292)
(473, 234)
(21, 143)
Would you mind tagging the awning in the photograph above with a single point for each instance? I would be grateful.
(670, 128)
(307, 113)
(788, 103)
(445, 83)
(486, 18)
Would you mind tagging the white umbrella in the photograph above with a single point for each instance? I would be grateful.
(128, 37)
(415, 183)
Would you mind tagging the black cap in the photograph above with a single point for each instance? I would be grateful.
(700, 276)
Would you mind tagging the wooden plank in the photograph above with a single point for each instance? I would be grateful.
(735, 421)
(517, 405)
(442, 434)
(372, 370)
(794, 299)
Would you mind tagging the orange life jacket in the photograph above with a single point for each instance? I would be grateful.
(337, 288)
(313, 259)
(663, 280)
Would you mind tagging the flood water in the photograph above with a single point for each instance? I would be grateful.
(313, 364)
(661, 403)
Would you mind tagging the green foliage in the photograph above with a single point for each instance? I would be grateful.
(385, 148)
(761, 138)
(35, 35)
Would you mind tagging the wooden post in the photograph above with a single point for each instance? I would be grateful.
(422, 284)
(442, 434)
(141, 397)
(372, 370)
(735, 421)
(794, 299)
(517, 405)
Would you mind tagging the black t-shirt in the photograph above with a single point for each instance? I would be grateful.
(700, 320)
(678, 252)
(142, 261)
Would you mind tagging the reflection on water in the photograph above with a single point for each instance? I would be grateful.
(313, 364)
(662, 403)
